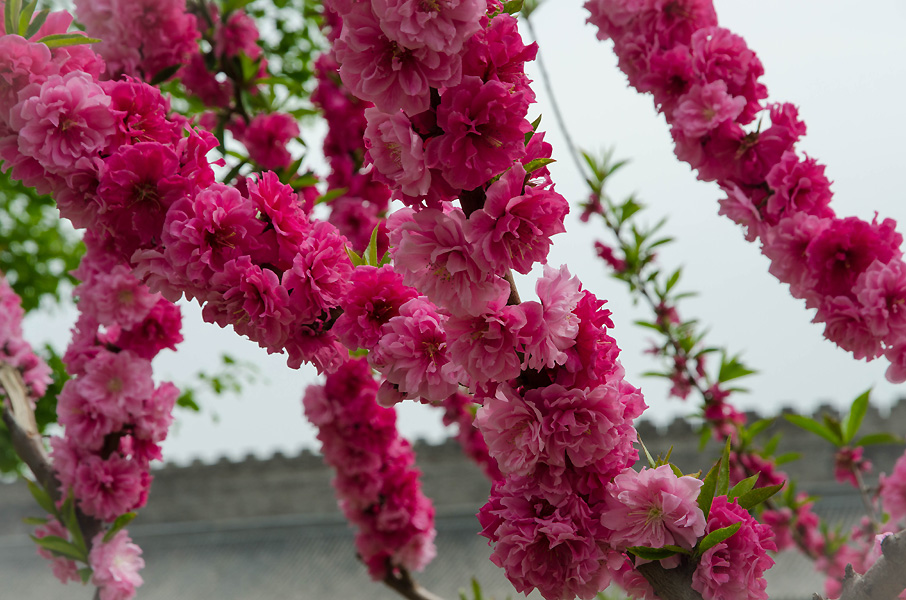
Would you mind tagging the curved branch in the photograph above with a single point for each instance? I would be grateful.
(403, 584)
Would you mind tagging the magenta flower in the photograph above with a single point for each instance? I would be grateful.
(704, 107)
(266, 138)
(375, 296)
(440, 25)
(108, 488)
(485, 346)
(798, 185)
(654, 508)
(484, 132)
(380, 70)
(514, 227)
(512, 428)
(396, 152)
(734, 569)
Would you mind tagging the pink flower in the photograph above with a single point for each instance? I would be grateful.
(512, 428)
(237, 34)
(881, 291)
(396, 152)
(108, 488)
(413, 355)
(266, 138)
(740, 209)
(87, 421)
(786, 246)
(847, 462)
(551, 542)
(847, 327)
(704, 107)
(116, 382)
(653, 507)
(160, 329)
(21, 63)
(64, 569)
(893, 491)
(434, 256)
(380, 70)
(115, 565)
(734, 568)
(797, 186)
(375, 296)
(551, 325)
(320, 273)
(720, 55)
(843, 251)
(442, 26)
(497, 53)
(485, 346)
(484, 131)
(62, 121)
(514, 227)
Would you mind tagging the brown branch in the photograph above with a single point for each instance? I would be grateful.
(29, 445)
(886, 579)
(403, 584)
(671, 584)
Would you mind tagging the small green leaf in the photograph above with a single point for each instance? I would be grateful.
(72, 524)
(706, 493)
(536, 164)
(757, 427)
(121, 521)
(25, 17)
(742, 487)
(856, 414)
(786, 457)
(678, 549)
(651, 462)
(85, 574)
(732, 368)
(878, 438)
(187, 400)
(61, 40)
(372, 257)
(60, 547)
(651, 553)
(717, 536)
(36, 23)
(673, 279)
(35, 521)
(676, 470)
(331, 195)
(512, 7)
(357, 261)
(165, 74)
(41, 497)
(11, 15)
(535, 123)
(815, 427)
(758, 495)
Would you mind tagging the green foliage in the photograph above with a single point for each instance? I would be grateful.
(37, 249)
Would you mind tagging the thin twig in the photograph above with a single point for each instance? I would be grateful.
(403, 584)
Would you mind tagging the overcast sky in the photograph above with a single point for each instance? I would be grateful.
(845, 69)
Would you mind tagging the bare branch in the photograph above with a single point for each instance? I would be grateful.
(403, 584)
(886, 579)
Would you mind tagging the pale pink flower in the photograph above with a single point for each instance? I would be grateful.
(63, 121)
(654, 508)
(893, 491)
(115, 565)
(116, 382)
(441, 25)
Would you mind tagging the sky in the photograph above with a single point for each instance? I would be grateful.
(843, 68)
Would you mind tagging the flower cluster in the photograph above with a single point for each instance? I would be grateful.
(140, 39)
(705, 80)
(14, 350)
(376, 479)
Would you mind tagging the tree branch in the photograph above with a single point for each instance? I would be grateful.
(671, 584)
(403, 584)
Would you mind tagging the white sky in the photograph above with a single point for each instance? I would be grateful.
(845, 70)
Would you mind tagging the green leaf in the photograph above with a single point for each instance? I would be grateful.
(717, 536)
(331, 195)
(371, 250)
(786, 457)
(536, 164)
(673, 279)
(165, 74)
(85, 574)
(535, 123)
(678, 549)
(651, 553)
(815, 427)
(354, 257)
(121, 521)
(60, 547)
(758, 495)
(856, 414)
(41, 497)
(732, 369)
(651, 462)
(676, 470)
(36, 23)
(742, 487)
(72, 524)
(879, 438)
(61, 40)
(771, 446)
(35, 521)
(512, 7)
(757, 427)
(706, 493)
(187, 400)
(11, 15)
(25, 17)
